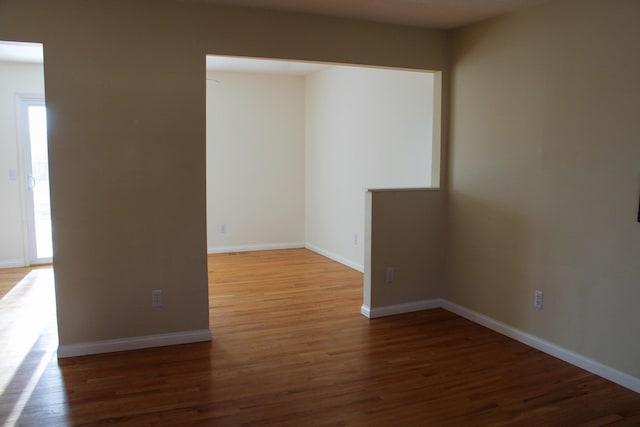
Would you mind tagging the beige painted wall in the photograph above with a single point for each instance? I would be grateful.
(405, 230)
(23, 79)
(255, 160)
(365, 128)
(544, 177)
(125, 86)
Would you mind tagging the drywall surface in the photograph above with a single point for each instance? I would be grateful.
(255, 160)
(366, 128)
(127, 141)
(544, 177)
(405, 232)
(15, 79)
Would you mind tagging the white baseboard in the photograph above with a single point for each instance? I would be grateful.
(133, 343)
(256, 247)
(365, 310)
(337, 258)
(12, 263)
(569, 356)
(408, 307)
(593, 366)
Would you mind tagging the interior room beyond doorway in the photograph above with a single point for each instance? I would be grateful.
(291, 146)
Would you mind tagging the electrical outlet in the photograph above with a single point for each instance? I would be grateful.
(223, 228)
(156, 298)
(389, 275)
(537, 299)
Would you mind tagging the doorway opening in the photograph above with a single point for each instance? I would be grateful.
(292, 145)
(25, 220)
(27, 295)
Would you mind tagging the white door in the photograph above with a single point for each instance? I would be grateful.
(36, 173)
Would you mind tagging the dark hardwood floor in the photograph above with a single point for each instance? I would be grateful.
(291, 348)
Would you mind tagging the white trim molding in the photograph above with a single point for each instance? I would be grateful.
(365, 310)
(593, 366)
(545, 346)
(133, 343)
(407, 307)
(336, 258)
(256, 247)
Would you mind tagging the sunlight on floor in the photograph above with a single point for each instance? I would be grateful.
(27, 328)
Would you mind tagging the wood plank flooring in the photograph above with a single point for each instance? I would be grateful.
(9, 277)
(291, 349)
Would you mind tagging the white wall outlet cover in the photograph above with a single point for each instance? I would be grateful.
(537, 299)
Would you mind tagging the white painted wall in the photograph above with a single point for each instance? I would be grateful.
(15, 79)
(365, 128)
(255, 161)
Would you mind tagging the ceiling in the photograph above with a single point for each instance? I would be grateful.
(423, 13)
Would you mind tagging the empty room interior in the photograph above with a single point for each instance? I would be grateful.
(322, 213)
(292, 148)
